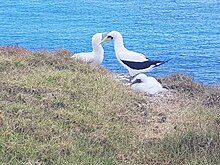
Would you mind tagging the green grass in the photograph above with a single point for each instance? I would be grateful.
(56, 110)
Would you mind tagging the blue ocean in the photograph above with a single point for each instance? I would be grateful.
(186, 31)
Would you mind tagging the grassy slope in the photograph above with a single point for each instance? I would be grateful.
(55, 110)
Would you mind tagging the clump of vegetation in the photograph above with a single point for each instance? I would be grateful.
(57, 110)
(184, 85)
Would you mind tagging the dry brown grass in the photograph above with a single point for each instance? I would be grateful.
(56, 110)
(184, 85)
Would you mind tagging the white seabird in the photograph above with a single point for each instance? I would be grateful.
(146, 84)
(134, 62)
(97, 54)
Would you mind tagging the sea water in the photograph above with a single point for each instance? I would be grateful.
(186, 31)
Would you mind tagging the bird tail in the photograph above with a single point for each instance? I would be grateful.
(162, 62)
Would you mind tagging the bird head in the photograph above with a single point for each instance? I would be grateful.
(97, 38)
(111, 36)
(139, 78)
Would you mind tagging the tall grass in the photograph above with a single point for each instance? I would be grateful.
(56, 110)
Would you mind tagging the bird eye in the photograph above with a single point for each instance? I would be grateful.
(139, 81)
(110, 37)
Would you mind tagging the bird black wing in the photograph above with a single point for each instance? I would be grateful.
(142, 65)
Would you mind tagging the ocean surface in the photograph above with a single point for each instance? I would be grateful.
(188, 31)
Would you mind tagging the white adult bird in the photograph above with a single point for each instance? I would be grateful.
(134, 62)
(97, 54)
(145, 84)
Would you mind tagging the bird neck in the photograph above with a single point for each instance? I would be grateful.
(119, 44)
(97, 47)
(99, 51)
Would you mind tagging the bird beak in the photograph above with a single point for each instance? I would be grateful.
(104, 33)
(105, 40)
